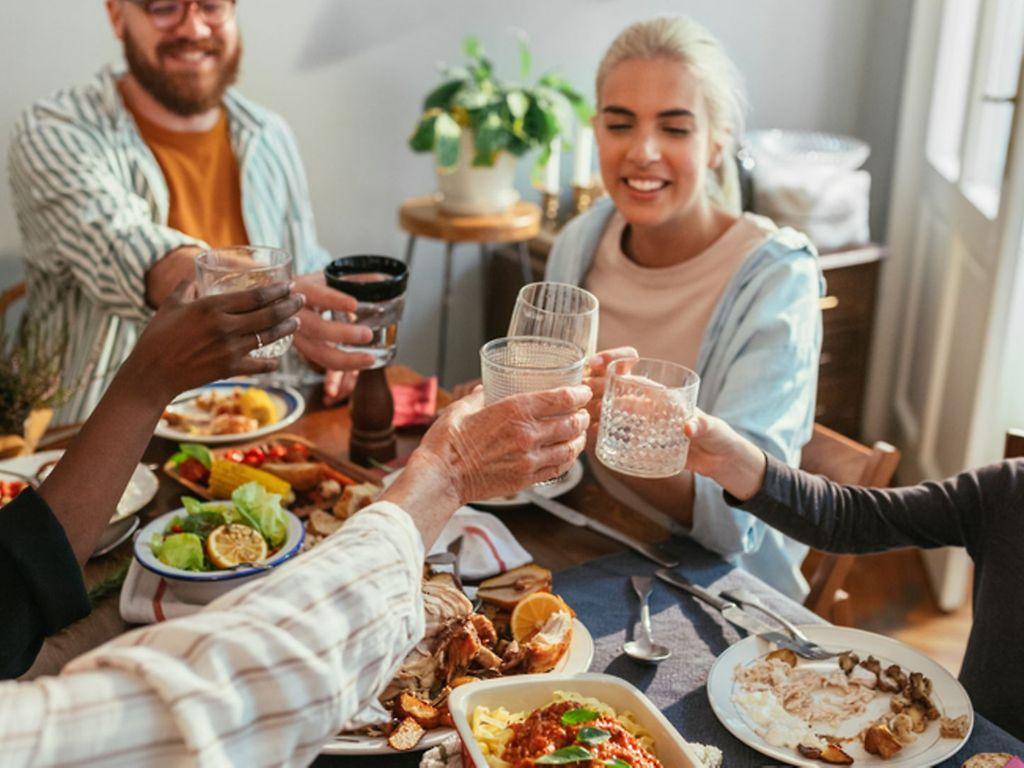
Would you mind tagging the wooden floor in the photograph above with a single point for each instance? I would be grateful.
(890, 595)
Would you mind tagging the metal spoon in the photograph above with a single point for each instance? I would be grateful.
(645, 649)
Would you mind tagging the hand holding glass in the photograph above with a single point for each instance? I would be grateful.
(239, 268)
(645, 407)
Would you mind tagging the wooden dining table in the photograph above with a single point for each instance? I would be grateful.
(592, 572)
(544, 536)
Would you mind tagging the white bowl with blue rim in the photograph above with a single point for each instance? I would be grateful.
(288, 402)
(201, 587)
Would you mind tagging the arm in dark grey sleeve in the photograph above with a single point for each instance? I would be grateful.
(41, 585)
(843, 518)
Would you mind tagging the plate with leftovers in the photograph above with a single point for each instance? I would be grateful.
(229, 412)
(564, 720)
(206, 548)
(881, 704)
(140, 490)
(571, 480)
(520, 628)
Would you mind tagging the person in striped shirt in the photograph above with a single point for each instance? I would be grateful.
(119, 183)
(266, 674)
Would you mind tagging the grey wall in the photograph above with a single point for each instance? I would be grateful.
(349, 75)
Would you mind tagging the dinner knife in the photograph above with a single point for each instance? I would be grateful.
(729, 610)
(571, 516)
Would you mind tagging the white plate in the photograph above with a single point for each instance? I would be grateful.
(572, 479)
(929, 749)
(288, 401)
(140, 491)
(576, 660)
(528, 692)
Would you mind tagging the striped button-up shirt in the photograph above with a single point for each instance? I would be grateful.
(92, 205)
(261, 677)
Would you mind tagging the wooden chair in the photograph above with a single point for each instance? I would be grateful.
(11, 295)
(1014, 444)
(846, 461)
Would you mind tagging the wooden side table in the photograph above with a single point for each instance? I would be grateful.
(422, 217)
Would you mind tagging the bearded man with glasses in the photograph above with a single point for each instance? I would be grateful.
(120, 182)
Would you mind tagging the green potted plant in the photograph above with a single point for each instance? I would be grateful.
(30, 370)
(478, 126)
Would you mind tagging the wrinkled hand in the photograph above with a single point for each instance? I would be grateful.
(514, 443)
(318, 338)
(596, 378)
(464, 389)
(189, 343)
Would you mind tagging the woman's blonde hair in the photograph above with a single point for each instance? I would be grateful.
(684, 40)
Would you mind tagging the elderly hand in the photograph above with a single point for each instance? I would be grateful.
(189, 343)
(597, 370)
(318, 338)
(516, 442)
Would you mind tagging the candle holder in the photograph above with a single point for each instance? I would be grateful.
(549, 208)
(584, 196)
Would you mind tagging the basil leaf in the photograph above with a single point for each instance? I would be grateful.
(579, 715)
(193, 451)
(616, 763)
(591, 735)
(564, 756)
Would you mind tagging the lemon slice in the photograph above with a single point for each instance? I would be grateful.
(533, 612)
(230, 545)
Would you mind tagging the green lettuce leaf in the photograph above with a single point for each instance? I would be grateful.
(263, 511)
(179, 550)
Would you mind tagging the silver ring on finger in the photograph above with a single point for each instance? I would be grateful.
(259, 341)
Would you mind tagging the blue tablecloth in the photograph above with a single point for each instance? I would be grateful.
(603, 599)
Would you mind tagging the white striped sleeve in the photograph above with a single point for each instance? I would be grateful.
(264, 676)
(83, 216)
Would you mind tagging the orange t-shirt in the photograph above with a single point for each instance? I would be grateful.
(203, 181)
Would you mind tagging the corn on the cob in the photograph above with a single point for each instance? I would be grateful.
(256, 404)
(226, 475)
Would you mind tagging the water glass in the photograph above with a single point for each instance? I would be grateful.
(516, 364)
(239, 268)
(557, 311)
(378, 283)
(646, 404)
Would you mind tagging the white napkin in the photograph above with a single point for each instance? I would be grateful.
(145, 598)
(488, 547)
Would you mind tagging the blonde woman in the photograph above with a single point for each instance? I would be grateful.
(681, 275)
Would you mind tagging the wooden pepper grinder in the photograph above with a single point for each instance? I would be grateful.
(373, 434)
(378, 283)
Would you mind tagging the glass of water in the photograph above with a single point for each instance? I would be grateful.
(239, 268)
(378, 283)
(515, 364)
(646, 403)
(557, 311)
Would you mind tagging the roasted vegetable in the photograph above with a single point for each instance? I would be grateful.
(879, 740)
(406, 736)
(785, 655)
(423, 713)
(226, 476)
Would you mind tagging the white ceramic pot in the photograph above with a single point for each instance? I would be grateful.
(470, 190)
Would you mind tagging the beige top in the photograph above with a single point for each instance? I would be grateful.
(664, 311)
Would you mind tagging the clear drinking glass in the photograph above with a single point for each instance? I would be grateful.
(239, 268)
(516, 364)
(646, 403)
(557, 311)
(378, 283)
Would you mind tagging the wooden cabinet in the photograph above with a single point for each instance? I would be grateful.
(847, 311)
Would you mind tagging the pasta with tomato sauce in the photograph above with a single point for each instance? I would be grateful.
(570, 725)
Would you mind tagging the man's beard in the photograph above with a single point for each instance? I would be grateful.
(183, 92)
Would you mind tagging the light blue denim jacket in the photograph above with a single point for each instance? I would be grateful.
(758, 365)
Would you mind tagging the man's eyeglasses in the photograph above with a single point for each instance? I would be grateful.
(168, 14)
